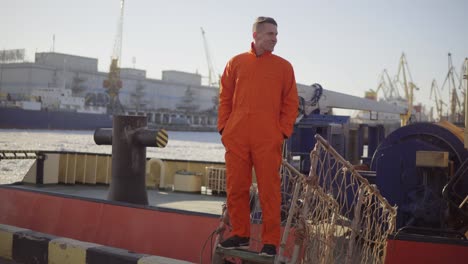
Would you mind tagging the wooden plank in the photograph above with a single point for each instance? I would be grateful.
(246, 255)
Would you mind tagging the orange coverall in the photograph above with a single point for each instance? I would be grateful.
(258, 105)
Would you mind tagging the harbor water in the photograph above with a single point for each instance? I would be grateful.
(200, 146)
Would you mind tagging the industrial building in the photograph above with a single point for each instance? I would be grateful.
(179, 98)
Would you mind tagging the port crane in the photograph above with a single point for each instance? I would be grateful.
(391, 87)
(463, 88)
(404, 79)
(113, 83)
(453, 95)
(213, 77)
(436, 96)
(387, 87)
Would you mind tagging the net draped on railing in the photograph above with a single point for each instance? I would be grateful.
(332, 215)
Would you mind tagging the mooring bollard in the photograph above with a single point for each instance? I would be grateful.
(129, 138)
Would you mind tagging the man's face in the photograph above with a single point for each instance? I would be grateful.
(265, 37)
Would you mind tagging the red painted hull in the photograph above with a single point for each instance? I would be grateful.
(169, 233)
(425, 249)
(139, 229)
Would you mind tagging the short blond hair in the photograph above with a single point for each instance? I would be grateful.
(262, 20)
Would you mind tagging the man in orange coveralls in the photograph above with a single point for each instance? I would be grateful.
(258, 104)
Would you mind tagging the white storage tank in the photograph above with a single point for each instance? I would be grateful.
(186, 181)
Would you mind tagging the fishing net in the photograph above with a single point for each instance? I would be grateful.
(333, 215)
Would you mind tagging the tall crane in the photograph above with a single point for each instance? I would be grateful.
(436, 96)
(404, 78)
(387, 87)
(463, 87)
(113, 84)
(453, 96)
(213, 77)
(465, 76)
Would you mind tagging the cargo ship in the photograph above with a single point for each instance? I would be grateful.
(34, 119)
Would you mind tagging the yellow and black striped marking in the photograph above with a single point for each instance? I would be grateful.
(161, 138)
(31, 247)
(26, 246)
(18, 154)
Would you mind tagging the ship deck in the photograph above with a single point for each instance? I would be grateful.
(82, 213)
(157, 199)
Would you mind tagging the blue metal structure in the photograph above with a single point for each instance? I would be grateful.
(302, 141)
(426, 196)
(418, 190)
(375, 135)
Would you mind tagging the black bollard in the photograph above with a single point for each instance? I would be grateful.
(129, 138)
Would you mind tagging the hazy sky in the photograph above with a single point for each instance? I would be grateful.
(343, 45)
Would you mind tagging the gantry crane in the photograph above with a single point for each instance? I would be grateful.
(113, 84)
(213, 77)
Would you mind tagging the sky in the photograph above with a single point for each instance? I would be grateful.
(343, 45)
